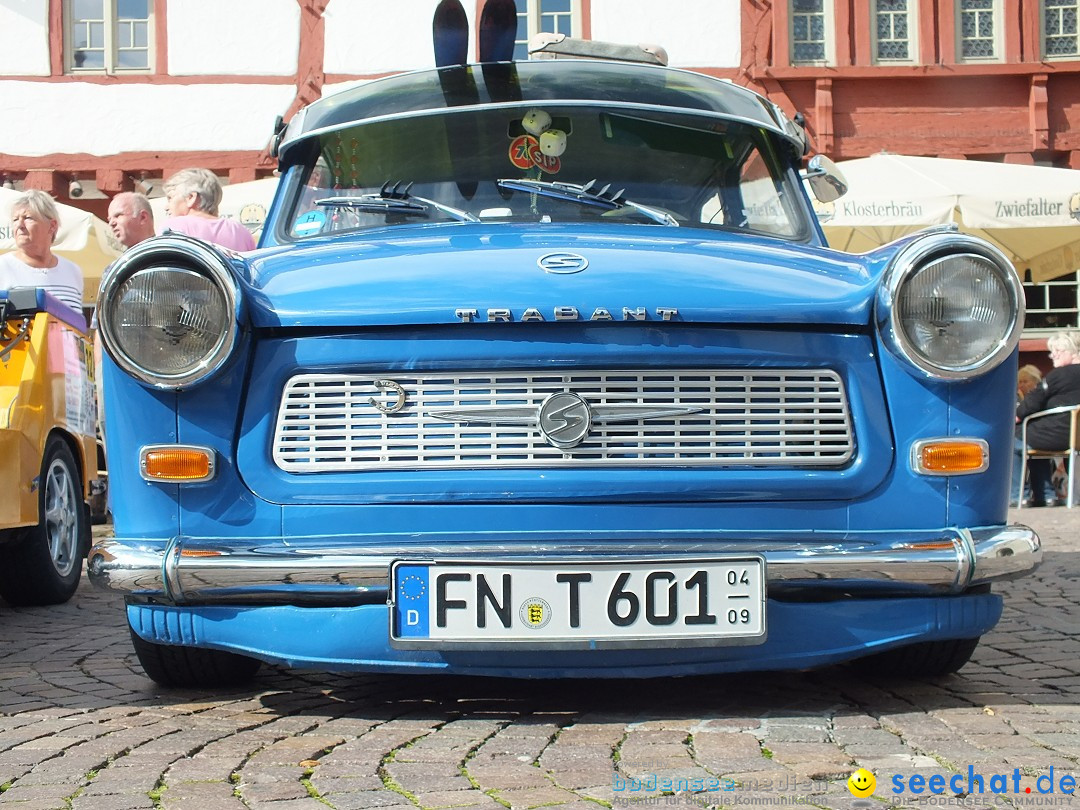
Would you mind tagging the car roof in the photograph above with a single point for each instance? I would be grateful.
(546, 81)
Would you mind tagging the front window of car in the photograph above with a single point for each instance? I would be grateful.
(555, 164)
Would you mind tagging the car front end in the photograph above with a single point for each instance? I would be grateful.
(597, 404)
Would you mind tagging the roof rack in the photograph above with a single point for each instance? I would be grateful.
(559, 46)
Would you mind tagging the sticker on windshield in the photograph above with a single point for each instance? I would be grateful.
(309, 223)
(525, 153)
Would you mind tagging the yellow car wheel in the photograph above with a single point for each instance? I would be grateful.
(43, 566)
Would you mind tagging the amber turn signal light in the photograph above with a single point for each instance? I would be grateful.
(176, 463)
(950, 456)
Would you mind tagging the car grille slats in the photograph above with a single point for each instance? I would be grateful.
(769, 418)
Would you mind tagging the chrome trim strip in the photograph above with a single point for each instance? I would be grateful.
(472, 109)
(209, 572)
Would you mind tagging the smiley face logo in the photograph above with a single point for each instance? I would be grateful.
(861, 783)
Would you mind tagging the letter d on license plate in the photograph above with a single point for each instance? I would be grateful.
(563, 604)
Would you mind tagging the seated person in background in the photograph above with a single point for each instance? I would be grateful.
(192, 197)
(35, 222)
(1061, 386)
(1027, 378)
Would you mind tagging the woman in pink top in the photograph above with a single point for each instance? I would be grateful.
(192, 197)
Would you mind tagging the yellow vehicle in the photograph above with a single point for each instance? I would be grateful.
(48, 447)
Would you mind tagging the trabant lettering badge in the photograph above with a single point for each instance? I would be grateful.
(563, 313)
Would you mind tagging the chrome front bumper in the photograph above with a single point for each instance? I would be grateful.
(208, 572)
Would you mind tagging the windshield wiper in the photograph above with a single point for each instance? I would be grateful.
(396, 199)
(588, 194)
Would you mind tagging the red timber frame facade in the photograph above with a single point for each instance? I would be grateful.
(1020, 109)
(115, 173)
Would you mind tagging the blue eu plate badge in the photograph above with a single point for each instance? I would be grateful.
(412, 601)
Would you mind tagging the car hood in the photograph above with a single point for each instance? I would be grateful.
(439, 275)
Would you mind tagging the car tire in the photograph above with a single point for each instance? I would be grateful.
(926, 659)
(44, 563)
(192, 667)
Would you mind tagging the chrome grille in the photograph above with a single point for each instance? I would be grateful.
(767, 418)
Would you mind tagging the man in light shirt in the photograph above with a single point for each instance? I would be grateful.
(131, 218)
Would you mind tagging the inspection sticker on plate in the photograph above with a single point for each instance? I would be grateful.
(640, 603)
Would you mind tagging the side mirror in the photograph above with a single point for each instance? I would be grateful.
(825, 179)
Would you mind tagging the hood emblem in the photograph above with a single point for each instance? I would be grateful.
(564, 419)
(562, 263)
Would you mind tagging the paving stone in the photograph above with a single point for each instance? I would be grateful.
(74, 701)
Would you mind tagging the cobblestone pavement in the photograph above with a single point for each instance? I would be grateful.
(82, 727)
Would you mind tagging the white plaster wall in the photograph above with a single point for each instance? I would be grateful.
(374, 36)
(331, 89)
(696, 33)
(42, 118)
(24, 38)
(238, 37)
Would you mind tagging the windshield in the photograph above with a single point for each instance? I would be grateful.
(556, 164)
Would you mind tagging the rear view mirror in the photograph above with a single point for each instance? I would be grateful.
(825, 179)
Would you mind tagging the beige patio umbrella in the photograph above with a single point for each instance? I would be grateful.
(83, 238)
(247, 202)
(1032, 213)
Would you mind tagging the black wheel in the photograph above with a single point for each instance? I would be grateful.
(192, 667)
(44, 563)
(926, 659)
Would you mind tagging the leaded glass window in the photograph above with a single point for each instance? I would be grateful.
(978, 29)
(808, 41)
(892, 31)
(1060, 35)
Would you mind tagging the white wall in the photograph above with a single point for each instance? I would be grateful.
(696, 33)
(238, 37)
(42, 118)
(24, 37)
(375, 36)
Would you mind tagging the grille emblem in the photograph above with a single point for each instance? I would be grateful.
(564, 420)
(396, 392)
(562, 263)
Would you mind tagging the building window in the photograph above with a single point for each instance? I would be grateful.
(110, 36)
(1060, 35)
(545, 16)
(978, 30)
(894, 27)
(810, 44)
(1051, 305)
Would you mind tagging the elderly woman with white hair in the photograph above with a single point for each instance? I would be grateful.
(1060, 386)
(35, 222)
(192, 197)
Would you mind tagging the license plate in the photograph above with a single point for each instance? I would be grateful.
(639, 604)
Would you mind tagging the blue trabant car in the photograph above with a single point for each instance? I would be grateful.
(545, 369)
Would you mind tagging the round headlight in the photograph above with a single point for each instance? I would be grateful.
(167, 311)
(951, 305)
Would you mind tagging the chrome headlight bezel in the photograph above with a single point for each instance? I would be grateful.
(186, 254)
(917, 256)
